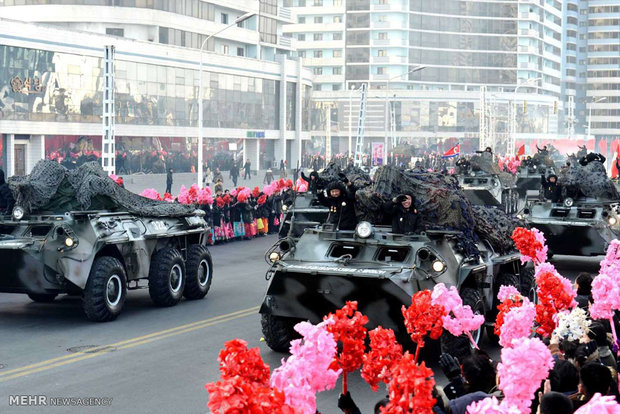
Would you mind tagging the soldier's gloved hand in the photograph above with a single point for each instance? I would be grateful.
(325, 193)
(450, 366)
(343, 178)
(345, 402)
(401, 198)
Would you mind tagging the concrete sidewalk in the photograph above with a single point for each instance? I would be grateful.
(138, 182)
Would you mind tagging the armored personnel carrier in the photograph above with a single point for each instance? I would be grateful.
(484, 184)
(78, 232)
(528, 176)
(325, 268)
(460, 245)
(301, 210)
(587, 217)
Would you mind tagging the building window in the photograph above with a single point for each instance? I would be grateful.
(224, 49)
(318, 19)
(337, 19)
(301, 36)
(384, 2)
(337, 53)
(318, 53)
(381, 71)
(382, 18)
(115, 31)
(224, 18)
(240, 51)
(336, 87)
(382, 36)
(337, 70)
(318, 36)
(301, 54)
(301, 19)
(317, 71)
(381, 52)
(337, 36)
(318, 3)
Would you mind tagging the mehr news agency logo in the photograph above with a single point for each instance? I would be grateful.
(43, 401)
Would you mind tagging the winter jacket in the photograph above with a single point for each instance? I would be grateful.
(342, 208)
(6, 196)
(404, 221)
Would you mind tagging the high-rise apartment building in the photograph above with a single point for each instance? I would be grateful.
(514, 49)
(183, 23)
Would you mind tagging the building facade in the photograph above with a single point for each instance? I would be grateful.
(51, 101)
(513, 49)
(185, 23)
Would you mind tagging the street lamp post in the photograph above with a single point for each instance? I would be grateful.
(510, 147)
(590, 114)
(200, 105)
(387, 90)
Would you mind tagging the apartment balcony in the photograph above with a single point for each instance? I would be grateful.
(388, 42)
(529, 16)
(389, 59)
(328, 78)
(388, 7)
(323, 61)
(529, 65)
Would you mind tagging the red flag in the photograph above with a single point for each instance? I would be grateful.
(453, 152)
(521, 151)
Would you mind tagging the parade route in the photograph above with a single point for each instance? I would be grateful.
(152, 360)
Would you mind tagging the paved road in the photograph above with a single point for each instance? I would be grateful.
(153, 360)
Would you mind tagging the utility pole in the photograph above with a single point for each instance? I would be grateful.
(484, 126)
(108, 153)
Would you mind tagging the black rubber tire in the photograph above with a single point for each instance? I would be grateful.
(96, 303)
(528, 285)
(42, 297)
(198, 264)
(278, 331)
(460, 346)
(163, 263)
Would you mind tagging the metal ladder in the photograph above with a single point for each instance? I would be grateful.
(108, 153)
(361, 121)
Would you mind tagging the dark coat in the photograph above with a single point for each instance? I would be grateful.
(6, 196)
(403, 221)
(341, 209)
(169, 179)
(552, 191)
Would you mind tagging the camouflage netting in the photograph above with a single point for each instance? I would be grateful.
(542, 159)
(50, 187)
(442, 205)
(356, 175)
(486, 162)
(591, 180)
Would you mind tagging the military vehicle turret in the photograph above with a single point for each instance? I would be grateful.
(78, 232)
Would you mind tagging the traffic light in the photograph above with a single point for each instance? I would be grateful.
(524, 107)
(555, 107)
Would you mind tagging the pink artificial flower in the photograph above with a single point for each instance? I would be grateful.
(522, 370)
(517, 324)
(599, 404)
(507, 292)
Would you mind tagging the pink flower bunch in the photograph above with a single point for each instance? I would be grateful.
(204, 196)
(507, 292)
(523, 368)
(301, 186)
(308, 369)
(517, 324)
(151, 193)
(491, 405)
(246, 192)
(184, 196)
(459, 318)
(606, 286)
(600, 405)
(510, 164)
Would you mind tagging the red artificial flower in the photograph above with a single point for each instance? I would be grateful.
(255, 192)
(526, 242)
(348, 329)
(242, 198)
(289, 184)
(262, 200)
(237, 360)
(411, 388)
(423, 318)
(384, 353)
(504, 308)
(220, 202)
(226, 198)
(553, 297)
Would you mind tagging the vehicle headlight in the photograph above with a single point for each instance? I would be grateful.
(612, 221)
(284, 207)
(364, 230)
(568, 202)
(69, 242)
(18, 213)
(438, 266)
(274, 257)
